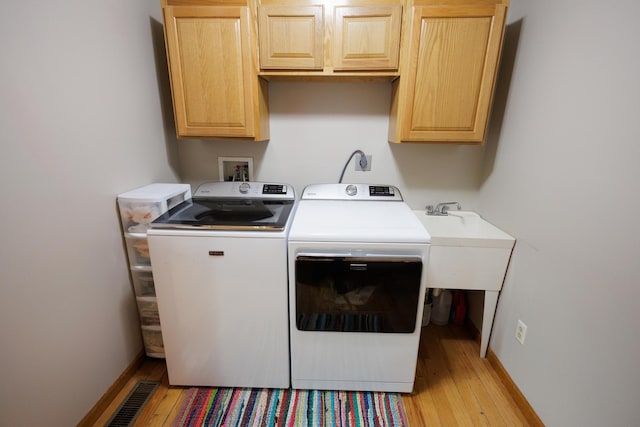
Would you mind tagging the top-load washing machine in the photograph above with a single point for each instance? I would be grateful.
(220, 272)
(357, 280)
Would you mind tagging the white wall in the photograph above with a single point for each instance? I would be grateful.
(80, 122)
(314, 129)
(562, 176)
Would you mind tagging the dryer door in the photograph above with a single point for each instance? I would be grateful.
(364, 293)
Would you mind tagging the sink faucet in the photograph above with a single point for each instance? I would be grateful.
(441, 209)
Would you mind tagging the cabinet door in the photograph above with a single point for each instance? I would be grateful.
(215, 88)
(367, 37)
(291, 37)
(452, 63)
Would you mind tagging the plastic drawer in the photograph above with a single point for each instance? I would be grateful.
(152, 338)
(148, 311)
(138, 250)
(136, 216)
(143, 283)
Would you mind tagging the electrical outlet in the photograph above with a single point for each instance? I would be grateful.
(366, 168)
(521, 331)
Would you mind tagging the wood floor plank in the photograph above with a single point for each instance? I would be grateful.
(429, 410)
(505, 405)
(463, 378)
(171, 402)
(154, 370)
(478, 400)
(442, 388)
(175, 411)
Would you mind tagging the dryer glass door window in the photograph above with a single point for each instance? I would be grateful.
(376, 293)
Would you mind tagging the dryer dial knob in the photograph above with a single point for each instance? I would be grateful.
(244, 187)
(351, 190)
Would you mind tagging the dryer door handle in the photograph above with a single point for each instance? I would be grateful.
(358, 267)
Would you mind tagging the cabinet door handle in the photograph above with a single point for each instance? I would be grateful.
(216, 253)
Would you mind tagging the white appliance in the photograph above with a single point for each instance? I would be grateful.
(357, 271)
(220, 271)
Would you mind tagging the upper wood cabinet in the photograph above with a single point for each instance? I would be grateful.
(329, 37)
(450, 58)
(212, 55)
(441, 56)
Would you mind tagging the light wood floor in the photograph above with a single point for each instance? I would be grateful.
(453, 387)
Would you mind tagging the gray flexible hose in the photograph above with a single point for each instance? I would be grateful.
(363, 162)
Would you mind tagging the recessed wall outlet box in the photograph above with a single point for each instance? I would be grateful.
(521, 331)
(235, 168)
(359, 166)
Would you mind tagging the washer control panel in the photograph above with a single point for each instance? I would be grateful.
(246, 189)
(274, 189)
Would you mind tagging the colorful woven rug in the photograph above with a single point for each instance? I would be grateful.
(244, 407)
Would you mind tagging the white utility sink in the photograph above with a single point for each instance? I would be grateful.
(467, 252)
(464, 228)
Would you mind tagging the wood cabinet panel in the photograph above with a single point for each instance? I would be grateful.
(291, 37)
(446, 89)
(453, 52)
(367, 37)
(215, 88)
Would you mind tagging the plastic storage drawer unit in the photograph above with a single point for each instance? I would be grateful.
(138, 208)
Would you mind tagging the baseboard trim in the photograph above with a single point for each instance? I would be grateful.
(521, 402)
(514, 391)
(115, 388)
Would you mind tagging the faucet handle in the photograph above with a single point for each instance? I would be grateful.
(429, 209)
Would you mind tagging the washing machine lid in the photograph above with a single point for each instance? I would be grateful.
(241, 206)
(370, 218)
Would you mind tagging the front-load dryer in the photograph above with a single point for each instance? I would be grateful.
(357, 279)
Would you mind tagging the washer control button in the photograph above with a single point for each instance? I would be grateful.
(351, 190)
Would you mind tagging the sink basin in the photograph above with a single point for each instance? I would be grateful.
(464, 228)
(467, 252)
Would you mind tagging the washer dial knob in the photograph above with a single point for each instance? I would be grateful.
(351, 190)
(244, 187)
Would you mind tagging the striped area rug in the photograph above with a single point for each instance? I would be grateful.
(244, 407)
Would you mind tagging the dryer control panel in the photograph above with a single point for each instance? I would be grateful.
(382, 190)
(351, 192)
